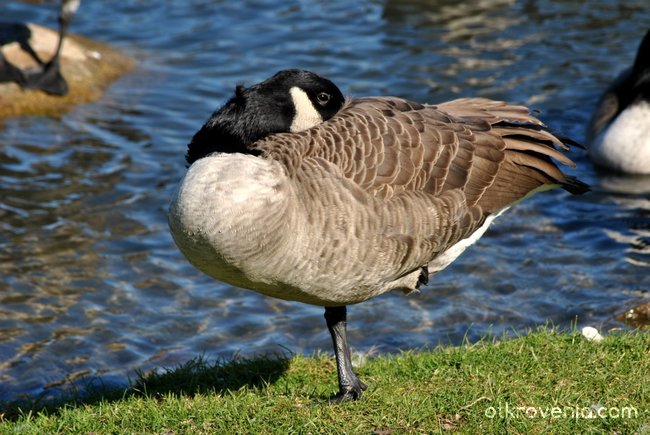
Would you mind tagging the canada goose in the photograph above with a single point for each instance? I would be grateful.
(618, 134)
(301, 194)
(46, 77)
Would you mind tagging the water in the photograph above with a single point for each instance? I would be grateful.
(91, 284)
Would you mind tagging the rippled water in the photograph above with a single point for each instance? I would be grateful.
(92, 285)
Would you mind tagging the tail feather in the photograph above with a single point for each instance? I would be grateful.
(572, 185)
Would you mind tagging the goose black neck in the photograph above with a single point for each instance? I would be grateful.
(240, 123)
(642, 61)
(209, 140)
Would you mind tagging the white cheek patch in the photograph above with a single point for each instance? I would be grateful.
(306, 114)
(70, 7)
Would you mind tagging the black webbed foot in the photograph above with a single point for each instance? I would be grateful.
(354, 391)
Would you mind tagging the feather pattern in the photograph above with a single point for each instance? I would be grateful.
(369, 197)
(389, 146)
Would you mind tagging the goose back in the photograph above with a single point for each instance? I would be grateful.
(376, 193)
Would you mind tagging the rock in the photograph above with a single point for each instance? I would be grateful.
(88, 67)
(592, 334)
(638, 316)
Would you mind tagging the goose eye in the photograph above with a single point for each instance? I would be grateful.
(323, 98)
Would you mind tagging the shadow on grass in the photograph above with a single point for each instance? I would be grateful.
(194, 377)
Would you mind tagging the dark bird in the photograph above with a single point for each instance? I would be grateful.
(618, 135)
(46, 76)
(301, 194)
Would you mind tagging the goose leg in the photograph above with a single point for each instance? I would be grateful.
(49, 78)
(350, 387)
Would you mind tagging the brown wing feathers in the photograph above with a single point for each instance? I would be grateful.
(495, 153)
(439, 170)
(526, 146)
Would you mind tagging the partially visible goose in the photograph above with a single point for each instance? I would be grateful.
(618, 134)
(47, 76)
(300, 194)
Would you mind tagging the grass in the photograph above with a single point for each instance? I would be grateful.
(546, 381)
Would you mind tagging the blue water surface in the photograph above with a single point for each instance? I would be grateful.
(92, 285)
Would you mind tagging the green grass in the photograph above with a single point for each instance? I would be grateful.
(542, 382)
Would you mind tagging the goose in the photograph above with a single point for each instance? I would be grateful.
(618, 134)
(299, 193)
(46, 77)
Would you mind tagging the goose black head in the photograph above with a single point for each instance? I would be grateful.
(290, 101)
